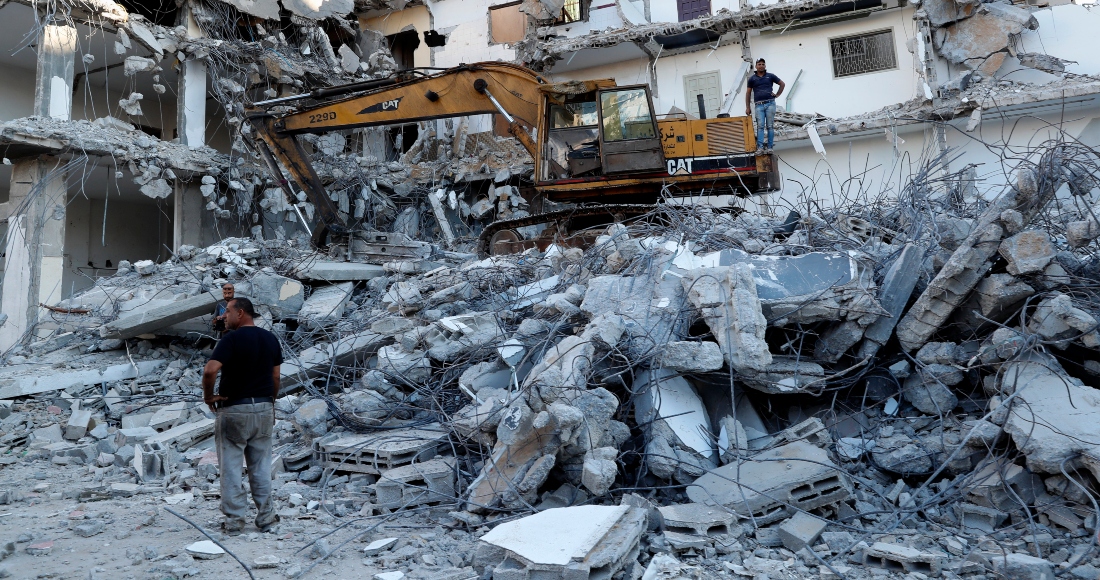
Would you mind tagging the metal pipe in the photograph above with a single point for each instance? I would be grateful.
(330, 91)
(496, 104)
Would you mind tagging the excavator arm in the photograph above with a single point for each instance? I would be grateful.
(474, 89)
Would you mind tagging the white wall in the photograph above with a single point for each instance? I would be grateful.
(416, 17)
(466, 25)
(818, 92)
(1068, 32)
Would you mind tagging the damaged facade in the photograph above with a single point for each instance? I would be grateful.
(887, 366)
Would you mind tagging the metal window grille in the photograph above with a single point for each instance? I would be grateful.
(572, 11)
(863, 53)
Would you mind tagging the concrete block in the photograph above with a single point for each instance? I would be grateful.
(417, 484)
(797, 474)
(78, 424)
(376, 453)
(895, 557)
(1022, 567)
(284, 296)
(1027, 252)
(801, 531)
(168, 416)
(135, 435)
(136, 420)
(691, 357)
(49, 433)
(697, 518)
(163, 316)
(325, 307)
(979, 518)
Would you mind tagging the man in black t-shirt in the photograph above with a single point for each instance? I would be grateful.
(759, 89)
(248, 359)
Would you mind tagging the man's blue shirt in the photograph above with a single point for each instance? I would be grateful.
(762, 86)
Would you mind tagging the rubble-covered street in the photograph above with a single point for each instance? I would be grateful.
(900, 387)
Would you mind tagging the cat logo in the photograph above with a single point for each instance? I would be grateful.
(679, 166)
(382, 107)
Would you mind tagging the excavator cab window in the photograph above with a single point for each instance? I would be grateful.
(628, 132)
(573, 143)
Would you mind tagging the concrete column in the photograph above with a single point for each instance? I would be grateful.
(187, 215)
(35, 245)
(53, 96)
(191, 104)
(191, 128)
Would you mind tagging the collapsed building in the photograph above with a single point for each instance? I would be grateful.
(887, 366)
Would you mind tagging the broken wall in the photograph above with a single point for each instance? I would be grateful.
(1061, 33)
(416, 18)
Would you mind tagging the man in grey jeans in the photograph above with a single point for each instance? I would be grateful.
(248, 359)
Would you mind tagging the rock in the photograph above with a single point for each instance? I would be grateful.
(312, 417)
(378, 546)
(691, 357)
(801, 531)
(89, 528)
(1022, 567)
(145, 267)
(600, 469)
(1027, 252)
(284, 296)
(267, 561)
(205, 550)
(928, 390)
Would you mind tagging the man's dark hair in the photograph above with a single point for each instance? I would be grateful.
(759, 60)
(245, 305)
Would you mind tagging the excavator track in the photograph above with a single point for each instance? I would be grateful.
(507, 242)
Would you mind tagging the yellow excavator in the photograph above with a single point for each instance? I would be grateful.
(592, 142)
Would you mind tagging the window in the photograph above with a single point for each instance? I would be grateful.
(692, 9)
(626, 115)
(507, 23)
(573, 115)
(572, 11)
(863, 53)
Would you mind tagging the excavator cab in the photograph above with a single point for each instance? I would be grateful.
(601, 132)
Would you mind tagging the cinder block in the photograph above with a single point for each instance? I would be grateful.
(902, 558)
(78, 424)
(416, 484)
(801, 531)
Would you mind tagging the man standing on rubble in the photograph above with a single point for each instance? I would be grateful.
(248, 359)
(228, 291)
(760, 91)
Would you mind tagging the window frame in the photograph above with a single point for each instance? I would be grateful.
(869, 33)
(585, 9)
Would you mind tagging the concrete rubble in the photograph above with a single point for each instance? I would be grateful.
(646, 405)
(903, 389)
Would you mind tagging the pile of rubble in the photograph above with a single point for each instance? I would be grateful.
(901, 388)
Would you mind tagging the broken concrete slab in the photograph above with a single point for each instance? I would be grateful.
(159, 317)
(728, 300)
(185, 435)
(78, 424)
(417, 484)
(284, 296)
(986, 32)
(664, 396)
(267, 9)
(1027, 252)
(317, 360)
(318, 9)
(897, 286)
(21, 382)
(1052, 419)
(797, 475)
(691, 357)
(697, 518)
(325, 306)
(589, 541)
(326, 271)
(785, 375)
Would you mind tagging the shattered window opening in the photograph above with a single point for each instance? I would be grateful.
(573, 11)
(863, 53)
